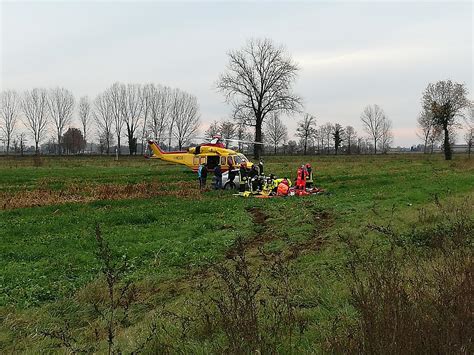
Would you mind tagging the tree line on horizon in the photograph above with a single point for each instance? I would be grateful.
(257, 83)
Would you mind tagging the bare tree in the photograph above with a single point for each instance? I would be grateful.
(132, 111)
(61, 108)
(351, 137)
(276, 132)
(258, 81)
(115, 96)
(426, 127)
(241, 134)
(147, 104)
(305, 130)
(160, 111)
(34, 105)
(326, 135)
(372, 120)
(19, 143)
(338, 136)
(386, 139)
(104, 118)
(9, 111)
(445, 101)
(213, 130)
(428, 131)
(185, 115)
(228, 131)
(85, 116)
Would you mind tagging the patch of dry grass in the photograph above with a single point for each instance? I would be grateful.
(83, 193)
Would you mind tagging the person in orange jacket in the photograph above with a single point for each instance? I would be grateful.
(283, 188)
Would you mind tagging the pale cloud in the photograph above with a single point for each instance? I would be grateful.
(365, 58)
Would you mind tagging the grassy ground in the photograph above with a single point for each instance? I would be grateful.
(51, 207)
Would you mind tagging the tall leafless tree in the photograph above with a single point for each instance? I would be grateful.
(9, 112)
(386, 139)
(445, 100)
(160, 111)
(425, 128)
(317, 141)
(61, 108)
(351, 137)
(241, 134)
(428, 132)
(214, 129)
(276, 132)
(372, 120)
(257, 82)
(185, 115)
(228, 131)
(34, 104)
(326, 134)
(104, 119)
(132, 111)
(115, 96)
(305, 131)
(85, 116)
(147, 103)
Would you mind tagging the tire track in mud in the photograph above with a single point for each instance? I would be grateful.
(263, 233)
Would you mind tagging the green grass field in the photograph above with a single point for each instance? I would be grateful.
(153, 214)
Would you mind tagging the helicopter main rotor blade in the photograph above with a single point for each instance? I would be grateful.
(241, 141)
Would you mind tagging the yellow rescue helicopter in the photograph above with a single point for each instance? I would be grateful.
(211, 154)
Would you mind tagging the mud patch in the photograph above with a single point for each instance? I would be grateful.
(258, 216)
(83, 193)
(322, 220)
(261, 235)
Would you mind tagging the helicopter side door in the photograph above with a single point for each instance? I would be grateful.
(212, 162)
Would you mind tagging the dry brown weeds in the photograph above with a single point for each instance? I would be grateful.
(82, 193)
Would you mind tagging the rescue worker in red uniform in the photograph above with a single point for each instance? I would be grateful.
(301, 176)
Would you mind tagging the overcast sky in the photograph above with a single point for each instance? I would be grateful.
(351, 54)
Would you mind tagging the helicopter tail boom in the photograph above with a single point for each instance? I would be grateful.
(155, 148)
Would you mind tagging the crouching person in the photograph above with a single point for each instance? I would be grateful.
(283, 188)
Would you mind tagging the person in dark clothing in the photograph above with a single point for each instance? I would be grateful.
(253, 178)
(231, 173)
(202, 175)
(218, 177)
(253, 172)
(260, 167)
(243, 176)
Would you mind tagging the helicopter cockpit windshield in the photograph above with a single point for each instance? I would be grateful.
(240, 158)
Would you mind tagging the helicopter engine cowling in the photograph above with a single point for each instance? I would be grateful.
(204, 149)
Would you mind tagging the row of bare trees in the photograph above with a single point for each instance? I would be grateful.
(257, 83)
(145, 111)
(38, 108)
(136, 111)
(334, 137)
(327, 138)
